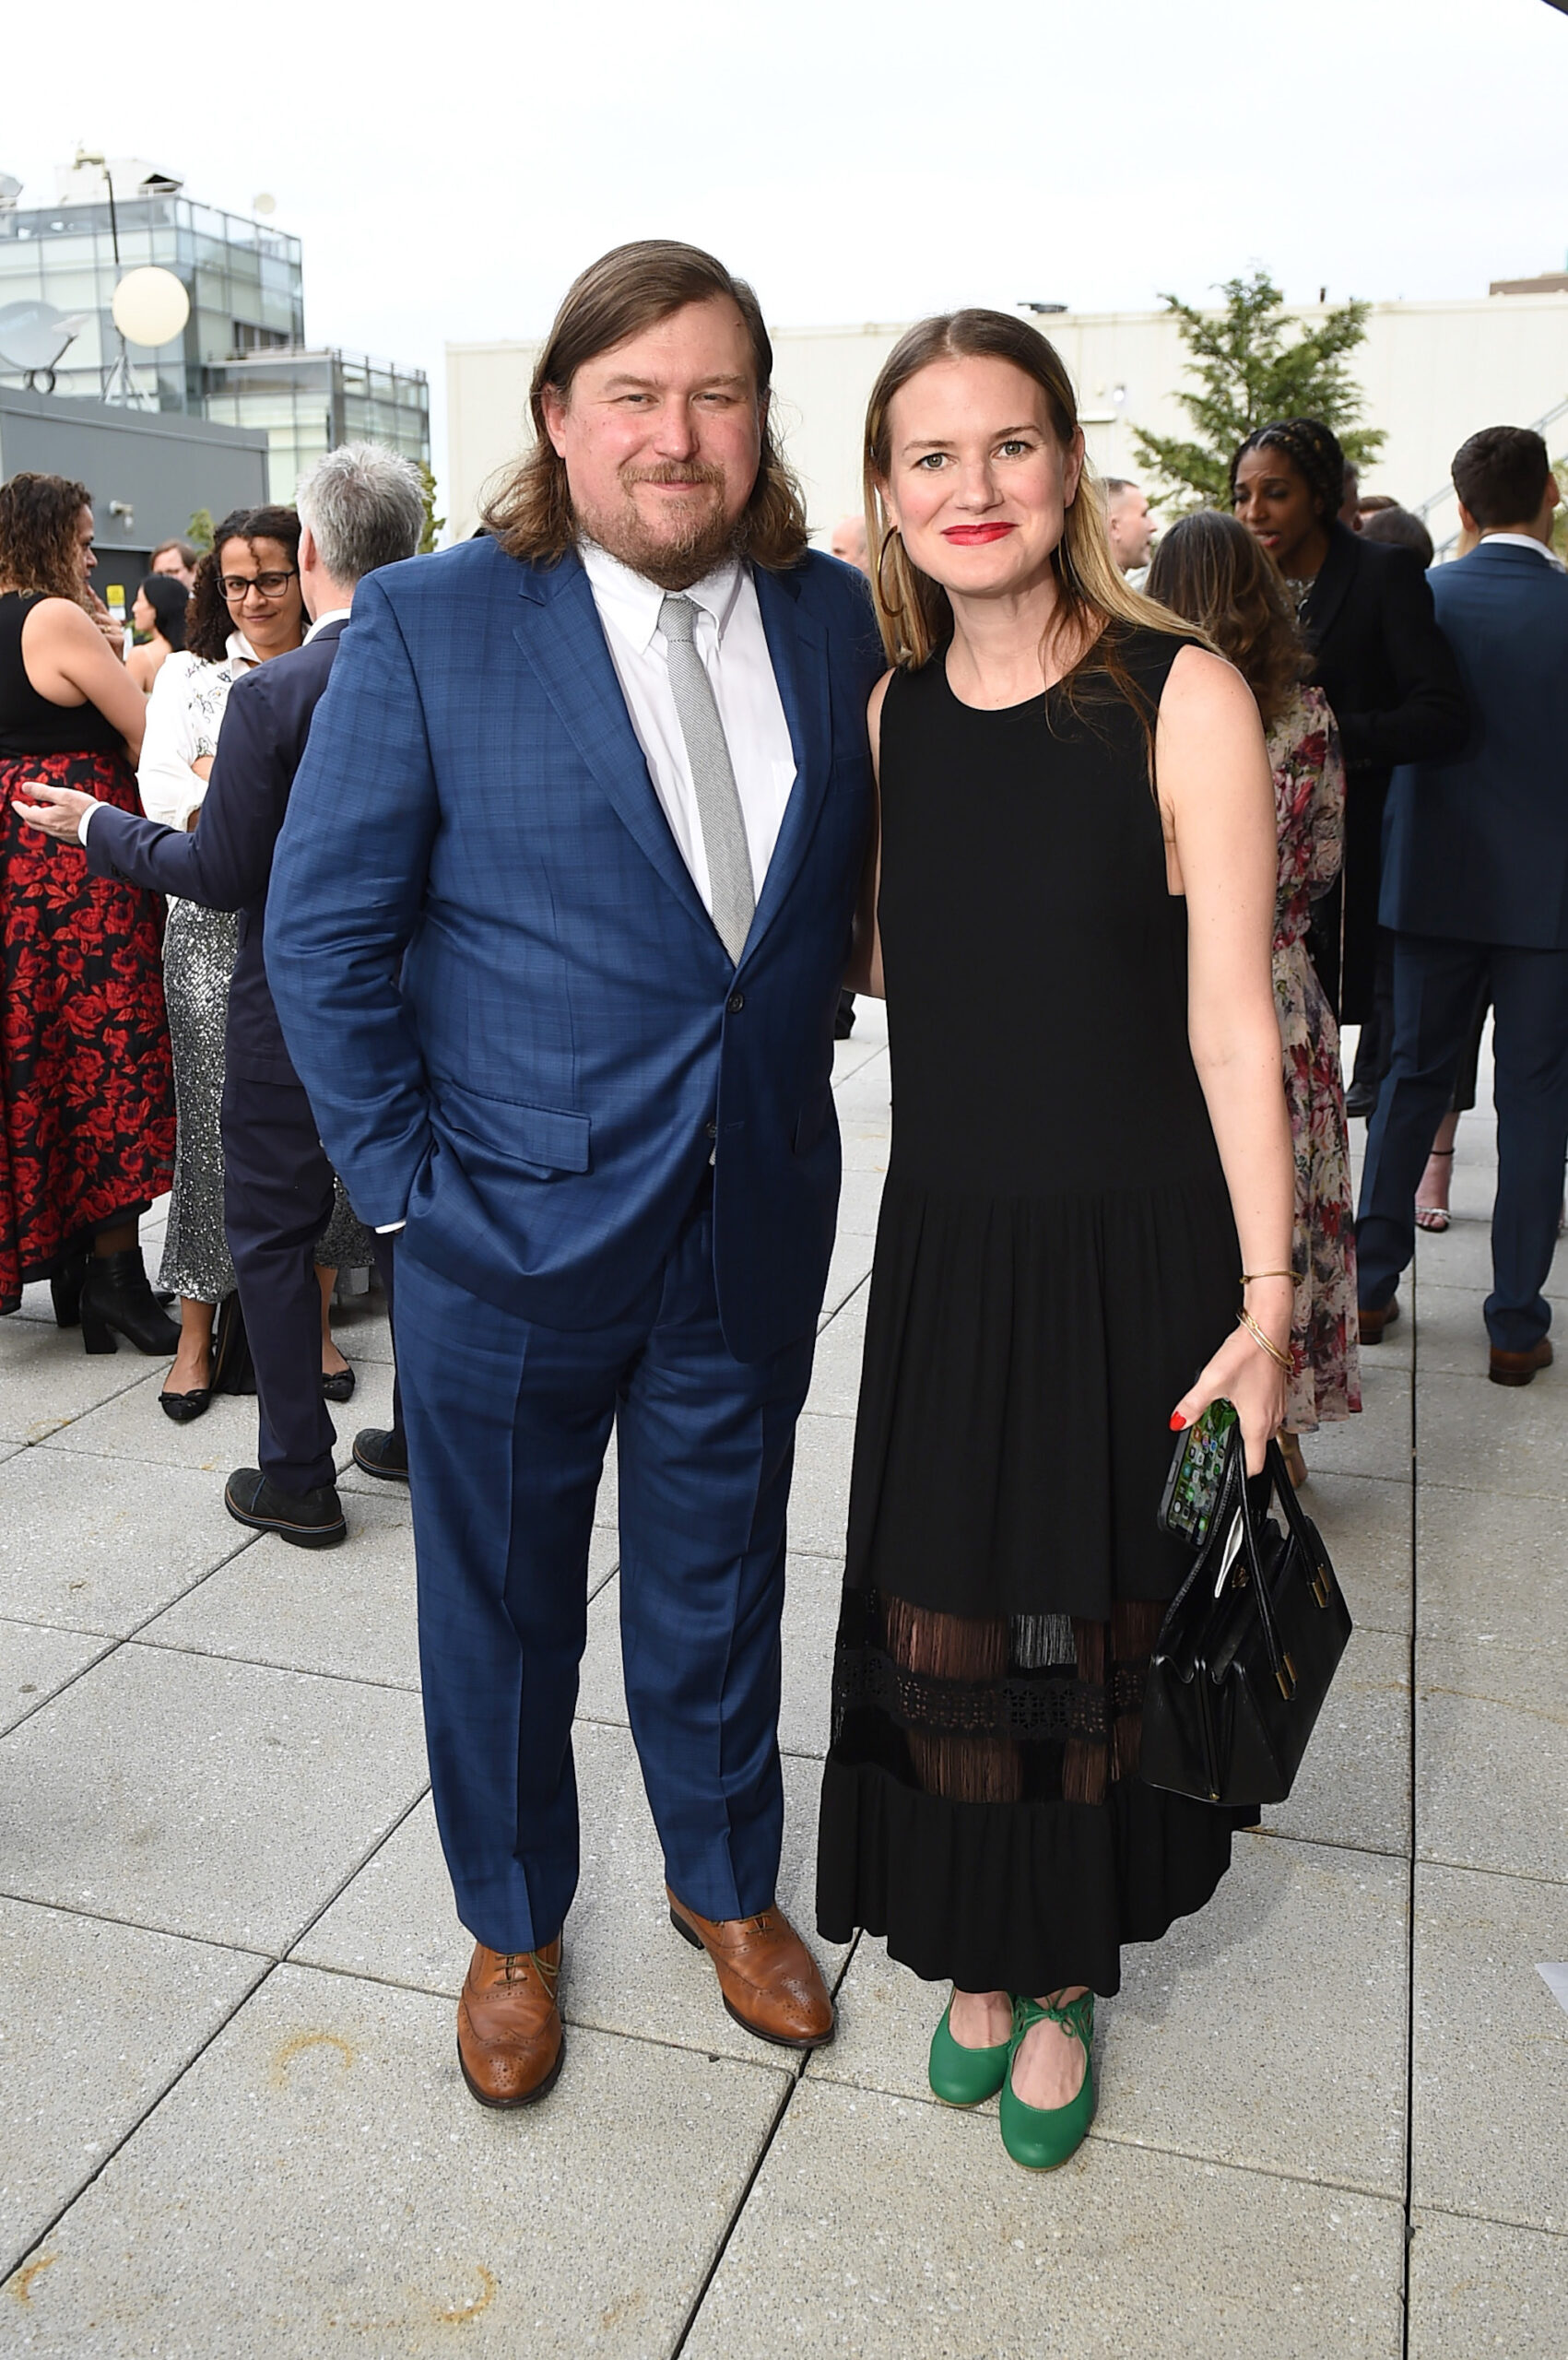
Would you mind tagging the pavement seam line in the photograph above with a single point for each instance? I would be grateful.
(1415, 1842)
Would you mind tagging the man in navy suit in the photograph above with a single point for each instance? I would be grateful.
(558, 920)
(1476, 887)
(360, 507)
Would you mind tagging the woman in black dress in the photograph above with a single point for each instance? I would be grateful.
(1366, 613)
(1075, 811)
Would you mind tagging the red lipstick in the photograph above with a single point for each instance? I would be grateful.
(973, 536)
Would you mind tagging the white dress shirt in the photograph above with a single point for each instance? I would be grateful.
(1521, 541)
(734, 649)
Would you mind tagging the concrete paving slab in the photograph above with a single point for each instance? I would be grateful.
(627, 1970)
(1377, 1442)
(1478, 1436)
(866, 1133)
(132, 1427)
(835, 1373)
(1491, 2066)
(849, 1267)
(99, 1544)
(223, 1800)
(1366, 1522)
(885, 2230)
(321, 2183)
(47, 1381)
(36, 1663)
(1353, 1786)
(1462, 1256)
(349, 1611)
(813, 1589)
(1493, 1567)
(1476, 2287)
(1491, 1758)
(97, 2020)
(819, 1499)
(1453, 1331)
(1303, 1945)
(371, 1406)
(860, 1203)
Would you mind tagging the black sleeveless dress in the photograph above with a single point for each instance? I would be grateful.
(1056, 1261)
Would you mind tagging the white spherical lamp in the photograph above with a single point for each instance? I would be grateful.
(150, 306)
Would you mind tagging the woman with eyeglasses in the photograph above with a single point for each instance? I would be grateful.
(245, 608)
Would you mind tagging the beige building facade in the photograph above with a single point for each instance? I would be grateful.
(1433, 373)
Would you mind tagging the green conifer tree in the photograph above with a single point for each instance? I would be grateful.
(1247, 374)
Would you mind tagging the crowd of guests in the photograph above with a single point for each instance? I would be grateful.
(527, 904)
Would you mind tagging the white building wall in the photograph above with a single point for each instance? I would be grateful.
(1433, 373)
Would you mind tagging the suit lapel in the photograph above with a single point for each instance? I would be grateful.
(1334, 577)
(799, 650)
(563, 641)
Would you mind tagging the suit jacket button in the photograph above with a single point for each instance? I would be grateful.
(735, 1002)
(711, 1130)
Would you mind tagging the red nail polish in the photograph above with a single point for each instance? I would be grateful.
(1178, 1422)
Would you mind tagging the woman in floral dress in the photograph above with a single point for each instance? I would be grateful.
(1210, 568)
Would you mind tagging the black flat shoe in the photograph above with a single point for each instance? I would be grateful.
(340, 1387)
(313, 1519)
(117, 1300)
(378, 1450)
(66, 1292)
(184, 1406)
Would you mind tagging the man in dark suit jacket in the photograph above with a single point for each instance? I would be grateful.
(361, 508)
(561, 913)
(1475, 888)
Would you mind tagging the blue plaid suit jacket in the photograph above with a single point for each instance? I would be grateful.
(516, 1022)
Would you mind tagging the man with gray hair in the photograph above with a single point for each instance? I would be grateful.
(360, 507)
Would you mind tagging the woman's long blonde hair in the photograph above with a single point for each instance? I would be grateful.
(1095, 607)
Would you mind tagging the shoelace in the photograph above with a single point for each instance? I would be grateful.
(547, 1973)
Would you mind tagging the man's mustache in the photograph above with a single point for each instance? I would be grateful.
(673, 471)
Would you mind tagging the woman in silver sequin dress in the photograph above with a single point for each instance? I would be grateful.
(245, 608)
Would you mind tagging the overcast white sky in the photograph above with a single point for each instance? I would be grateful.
(449, 168)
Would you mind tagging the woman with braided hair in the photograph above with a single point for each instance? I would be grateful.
(1366, 611)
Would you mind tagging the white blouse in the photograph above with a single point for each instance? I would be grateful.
(184, 713)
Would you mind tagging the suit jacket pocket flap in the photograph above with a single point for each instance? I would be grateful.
(551, 1136)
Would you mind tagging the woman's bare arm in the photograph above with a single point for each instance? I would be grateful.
(67, 660)
(1217, 794)
(865, 973)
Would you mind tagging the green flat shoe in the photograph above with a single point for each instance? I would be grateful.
(962, 2076)
(1043, 2138)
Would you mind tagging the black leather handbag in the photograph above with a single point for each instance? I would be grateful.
(1247, 1649)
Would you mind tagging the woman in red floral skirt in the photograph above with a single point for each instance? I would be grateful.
(87, 1097)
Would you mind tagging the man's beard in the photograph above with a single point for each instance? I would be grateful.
(672, 559)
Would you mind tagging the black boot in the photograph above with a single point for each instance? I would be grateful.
(117, 1300)
(382, 1450)
(66, 1291)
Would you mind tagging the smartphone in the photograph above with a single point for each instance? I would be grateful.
(1192, 1488)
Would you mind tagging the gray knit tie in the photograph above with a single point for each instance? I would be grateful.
(718, 798)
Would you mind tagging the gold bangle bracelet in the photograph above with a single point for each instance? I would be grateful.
(1248, 1275)
(1264, 1343)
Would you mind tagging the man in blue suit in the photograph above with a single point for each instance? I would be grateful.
(1476, 887)
(557, 925)
(360, 507)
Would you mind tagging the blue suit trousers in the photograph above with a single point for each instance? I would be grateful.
(1435, 983)
(508, 1423)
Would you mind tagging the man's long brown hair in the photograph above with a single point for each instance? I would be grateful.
(630, 289)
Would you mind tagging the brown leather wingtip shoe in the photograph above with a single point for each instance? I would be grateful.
(1518, 1368)
(1372, 1322)
(768, 1979)
(510, 2042)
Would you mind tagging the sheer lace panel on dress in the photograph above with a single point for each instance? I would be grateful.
(982, 1701)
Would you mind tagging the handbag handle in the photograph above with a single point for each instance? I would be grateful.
(1279, 1485)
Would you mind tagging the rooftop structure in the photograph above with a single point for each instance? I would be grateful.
(59, 267)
